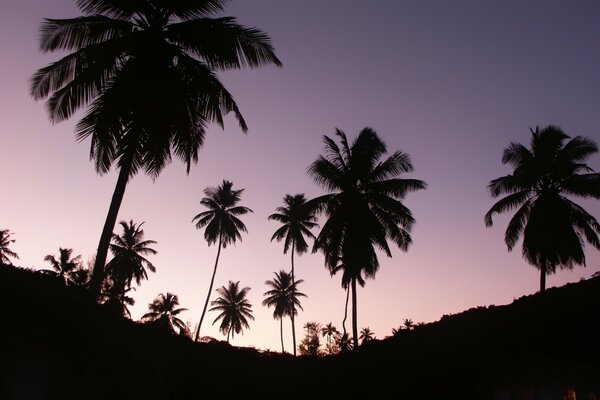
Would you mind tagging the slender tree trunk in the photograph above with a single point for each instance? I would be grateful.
(543, 271)
(281, 333)
(292, 316)
(109, 225)
(212, 281)
(346, 310)
(354, 315)
(228, 333)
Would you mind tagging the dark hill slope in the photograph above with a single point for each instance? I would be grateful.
(55, 343)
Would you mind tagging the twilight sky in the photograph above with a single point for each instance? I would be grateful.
(450, 83)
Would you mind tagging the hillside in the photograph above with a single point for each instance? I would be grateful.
(56, 343)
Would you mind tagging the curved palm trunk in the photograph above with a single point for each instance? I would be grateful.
(354, 315)
(109, 225)
(212, 281)
(346, 310)
(292, 316)
(281, 333)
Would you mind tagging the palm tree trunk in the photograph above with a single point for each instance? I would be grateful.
(109, 225)
(354, 315)
(212, 281)
(346, 310)
(228, 333)
(542, 278)
(292, 316)
(281, 333)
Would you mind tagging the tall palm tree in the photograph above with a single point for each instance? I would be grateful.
(234, 308)
(146, 71)
(63, 266)
(363, 207)
(545, 178)
(129, 263)
(5, 252)
(283, 296)
(366, 335)
(163, 309)
(297, 220)
(329, 330)
(222, 225)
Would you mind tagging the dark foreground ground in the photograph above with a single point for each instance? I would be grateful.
(55, 343)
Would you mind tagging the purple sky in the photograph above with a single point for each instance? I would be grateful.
(451, 83)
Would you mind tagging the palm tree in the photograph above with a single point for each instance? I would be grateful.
(366, 335)
(147, 73)
(5, 252)
(128, 262)
(329, 330)
(234, 309)
(222, 225)
(363, 207)
(408, 323)
(545, 178)
(283, 296)
(163, 309)
(297, 220)
(63, 266)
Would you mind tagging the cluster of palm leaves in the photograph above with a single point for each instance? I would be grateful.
(5, 252)
(163, 312)
(68, 268)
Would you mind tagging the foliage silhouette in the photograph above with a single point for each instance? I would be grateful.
(297, 220)
(283, 296)
(163, 310)
(222, 225)
(146, 71)
(366, 335)
(545, 175)
(363, 209)
(64, 266)
(310, 345)
(234, 309)
(329, 331)
(5, 252)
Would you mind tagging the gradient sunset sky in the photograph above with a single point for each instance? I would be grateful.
(450, 83)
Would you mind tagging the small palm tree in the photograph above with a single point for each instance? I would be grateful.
(329, 330)
(297, 220)
(64, 266)
(344, 342)
(283, 296)
(5, 252)
(222, 225)
(128, 263)
(366, 335)
(545, 178)
(363, 208)
(234, 308)
(408, 323)
(163, 309)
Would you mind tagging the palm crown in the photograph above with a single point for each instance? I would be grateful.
(163, 309)
(234, 308)
(297, 220)
(283, 295)
(544, 178)
(64, 265)
(5, 252)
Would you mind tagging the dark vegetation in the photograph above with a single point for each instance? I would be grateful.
(57, 343)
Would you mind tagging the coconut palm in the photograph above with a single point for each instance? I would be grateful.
(234, 308)
(146, 71)
(222, 225)
(297, 220)
(545, 178)
(283, 296)
(63, 266)
(5, 252)
(366, 335)
(363, 208)
(408, 323)
(128, 263)
(329, 330)
(163, 309)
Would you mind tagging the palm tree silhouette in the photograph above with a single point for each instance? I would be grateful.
(297, 220)
(283, 296)
(222, 225)
(128, 262)
(363, 209)
(329, 330)
(544, 178)
(64, 266)
(408, 323)
(366, 335)
(146, 71)
(163, 309)
(234, 309)
(5, 252)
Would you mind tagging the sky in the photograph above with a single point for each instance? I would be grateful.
(450, 83)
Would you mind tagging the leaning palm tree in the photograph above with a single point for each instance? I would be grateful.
(63, 266)
(363, 207)
(128, 263)
(297, 220)
(146, 71)
(545, 178)
(234, 308)
(283, 296)
(5, 252)
(366, 335)
(222, 225)
(163, 309)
